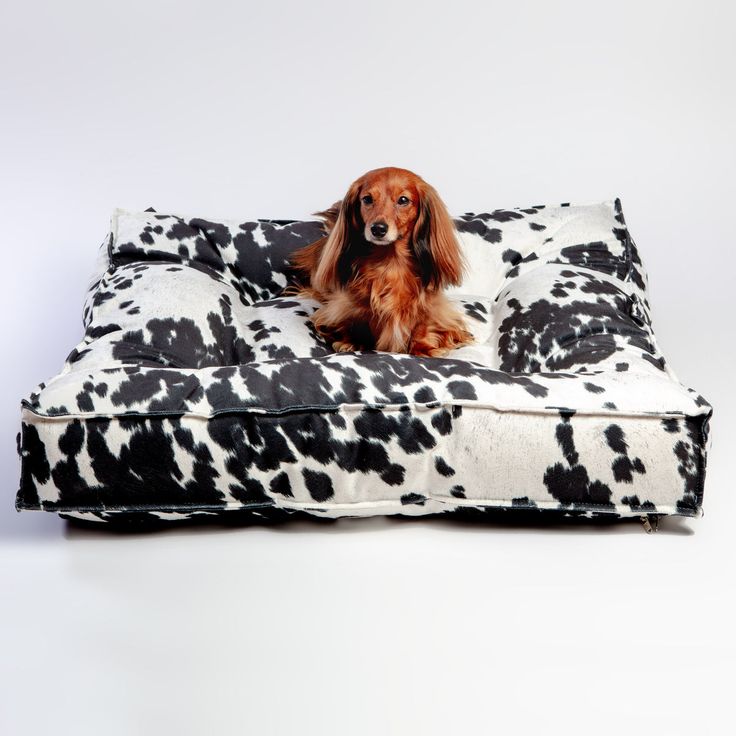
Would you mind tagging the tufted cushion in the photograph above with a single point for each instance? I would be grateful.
(198, 389)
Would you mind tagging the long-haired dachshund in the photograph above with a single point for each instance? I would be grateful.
(380, 271)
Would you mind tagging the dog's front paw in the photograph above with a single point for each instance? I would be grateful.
(438, 352)
(428, 351)
(439, 344)
(342, 346)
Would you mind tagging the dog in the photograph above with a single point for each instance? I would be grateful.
(379, 273)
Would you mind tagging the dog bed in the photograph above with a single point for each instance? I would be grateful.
(199, 389)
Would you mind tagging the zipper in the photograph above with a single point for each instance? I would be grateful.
(650, 522)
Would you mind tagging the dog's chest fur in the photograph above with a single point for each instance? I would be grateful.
(382, 288)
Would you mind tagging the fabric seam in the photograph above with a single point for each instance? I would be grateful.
(668, 509)
(350, 408)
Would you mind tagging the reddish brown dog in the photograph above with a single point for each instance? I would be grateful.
(380, 271)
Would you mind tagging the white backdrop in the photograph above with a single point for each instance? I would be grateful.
(270, 110)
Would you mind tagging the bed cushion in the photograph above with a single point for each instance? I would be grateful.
(200, 390)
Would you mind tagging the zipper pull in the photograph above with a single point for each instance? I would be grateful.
(649, 522)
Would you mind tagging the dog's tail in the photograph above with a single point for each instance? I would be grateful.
(329, 216)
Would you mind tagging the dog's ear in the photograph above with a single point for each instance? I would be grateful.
(335, 264)
(434, 242)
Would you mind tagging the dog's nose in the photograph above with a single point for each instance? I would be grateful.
(379, 229)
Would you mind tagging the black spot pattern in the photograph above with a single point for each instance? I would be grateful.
(569, 482)
(623, 466)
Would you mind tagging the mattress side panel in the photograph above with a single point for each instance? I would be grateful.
(358, 461)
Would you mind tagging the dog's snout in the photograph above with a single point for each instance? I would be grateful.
(379, 229)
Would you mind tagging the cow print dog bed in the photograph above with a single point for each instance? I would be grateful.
(199, 390)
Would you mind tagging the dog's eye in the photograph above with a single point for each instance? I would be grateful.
(403, 200)
(367, 199)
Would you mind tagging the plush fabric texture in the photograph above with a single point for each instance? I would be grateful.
(199, 390)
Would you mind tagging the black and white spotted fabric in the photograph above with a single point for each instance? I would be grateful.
(199, 389)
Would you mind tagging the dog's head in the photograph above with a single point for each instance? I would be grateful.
(384, 207)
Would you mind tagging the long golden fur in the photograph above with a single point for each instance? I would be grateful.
(380, 272)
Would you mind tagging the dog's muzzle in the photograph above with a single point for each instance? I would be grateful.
(380, 233)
